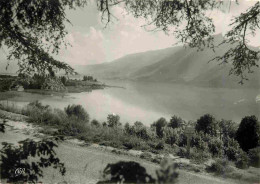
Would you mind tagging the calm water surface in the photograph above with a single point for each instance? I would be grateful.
(146, 102)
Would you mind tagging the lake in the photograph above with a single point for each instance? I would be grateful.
(148, 101)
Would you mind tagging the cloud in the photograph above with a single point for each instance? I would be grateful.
(85, 48)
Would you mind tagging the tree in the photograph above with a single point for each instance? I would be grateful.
(78, 112)
(176, 122)
(113, 120)
(228, 128)
(159, 125)
(35, 30)
(248, 133)
(207, 124)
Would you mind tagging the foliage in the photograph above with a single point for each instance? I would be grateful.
(78, 112)
(231, 148)
(133, 172)
(95, 123)
(89, 78)
(64, 80)
(216, 147)
(198, 156)
(167, 173)
(242, 160)
(207, 124)
(35, 30)
(228, 128)
(160, 146)
(220, 167)
(113, 120)
(14, 157)
(176, 122)
(254, 157)
(159, 126)
(6, 84)
(139, 130)
(128, 172)
(171, 135)
(248, 133)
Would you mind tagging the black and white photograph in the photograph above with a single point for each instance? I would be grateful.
(130, 91)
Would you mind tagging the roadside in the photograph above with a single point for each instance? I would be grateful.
(84, 163)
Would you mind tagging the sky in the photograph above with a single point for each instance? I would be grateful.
(93, 43)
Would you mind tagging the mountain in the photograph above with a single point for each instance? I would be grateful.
(176, 64)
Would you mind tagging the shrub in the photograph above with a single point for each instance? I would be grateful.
(113, 120)
(220, 167)
(159, 146)
(242, 160)
(159, 125)
(167, 173)
(182, 152)
(248, 133)
(254, 157)
(231, 148)
(228, 128)
(199, 156)
(78, 112)
(171, 136)
(207, 124)
(176, 122)
(216, 147)
(95, 123)
(198, 141)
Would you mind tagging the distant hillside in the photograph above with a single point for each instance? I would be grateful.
(176, 64)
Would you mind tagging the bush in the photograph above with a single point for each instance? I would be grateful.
(228, 128)
(254, 157)
(198, 141)
(171, 136)
(220, 167)
(242, 160)
(78, 112)
(182, 152)
(231, 148)
(207, 124)
(248, 133)
(199, 156)
(216, 147)
(159, 126)
(176, 122)
(160, 146)
(95, 123)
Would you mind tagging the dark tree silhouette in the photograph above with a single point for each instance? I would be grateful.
(248, 133)
(207, 124)
(18, 157)
(127, 172)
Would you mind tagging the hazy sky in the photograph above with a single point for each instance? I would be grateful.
(92, 43)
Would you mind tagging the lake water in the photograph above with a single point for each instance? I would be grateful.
(146, 102)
